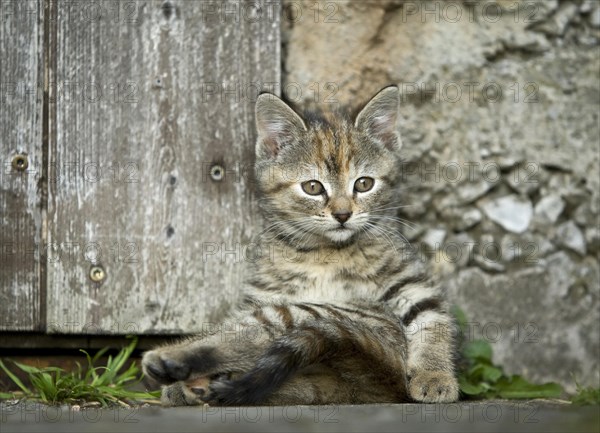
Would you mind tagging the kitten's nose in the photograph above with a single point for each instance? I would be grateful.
(342, 215)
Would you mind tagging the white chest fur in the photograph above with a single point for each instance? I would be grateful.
(328, 279)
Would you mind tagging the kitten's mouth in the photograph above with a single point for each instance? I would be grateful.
(340, 234)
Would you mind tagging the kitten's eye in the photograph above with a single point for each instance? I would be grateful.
(313, 187)
(364, 184)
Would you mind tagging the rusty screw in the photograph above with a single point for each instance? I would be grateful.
(97, 274)
(20, 162)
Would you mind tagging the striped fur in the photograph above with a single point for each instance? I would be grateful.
(338, 311)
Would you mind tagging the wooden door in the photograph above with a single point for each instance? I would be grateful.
(150, 148)
(22, 195)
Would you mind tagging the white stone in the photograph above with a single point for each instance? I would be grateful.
(528, 248)
(592, 238)
(470, 192)
(458, 249)
(488, 264)
(434, 238)
(595, 17)
(544, 9)
(584, 216)
(558, 23)
(549, 208)
(561, 269)
(511, 212)
(508, 161)
(471, 218)
(510, 247)
(568, 235)
(585, 7)
(524, 180)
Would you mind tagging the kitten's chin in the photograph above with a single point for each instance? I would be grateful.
(340, 235)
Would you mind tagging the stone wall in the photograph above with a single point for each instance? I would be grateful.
(500, 132)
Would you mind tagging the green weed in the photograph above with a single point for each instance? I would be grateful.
(586, 396)
(107, 384)
(479, 378)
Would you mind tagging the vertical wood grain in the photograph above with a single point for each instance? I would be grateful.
(21, 122)
(140, 118)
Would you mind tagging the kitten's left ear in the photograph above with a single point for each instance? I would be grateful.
(379, 118)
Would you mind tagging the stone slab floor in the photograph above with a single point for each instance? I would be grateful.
(491, 416)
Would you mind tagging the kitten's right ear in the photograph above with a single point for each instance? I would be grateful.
(277, 125)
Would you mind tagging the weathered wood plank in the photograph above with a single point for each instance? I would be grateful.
(141, 117)
(21, 122)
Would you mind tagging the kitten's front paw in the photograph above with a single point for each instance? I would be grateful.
(168, 365)
(433, 387)
(164, 368)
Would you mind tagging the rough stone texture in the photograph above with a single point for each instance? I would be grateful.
(501, 101)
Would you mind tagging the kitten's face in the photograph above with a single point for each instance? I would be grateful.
(329, 180)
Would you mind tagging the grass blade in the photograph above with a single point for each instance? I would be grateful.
(27, 368)
(99, 354)
(15, 379)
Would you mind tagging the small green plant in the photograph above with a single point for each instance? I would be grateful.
(107, 384)
(480, 378)
(586, 396)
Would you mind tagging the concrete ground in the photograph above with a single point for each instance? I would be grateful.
(490, 416)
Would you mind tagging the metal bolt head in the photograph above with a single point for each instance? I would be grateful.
(217, 172)
(20, 162)
(97, 274)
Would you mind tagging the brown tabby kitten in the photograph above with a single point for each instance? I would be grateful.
(338, 311)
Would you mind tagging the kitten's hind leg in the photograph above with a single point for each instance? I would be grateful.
(325, 387)
(282, 359)
(190, 392)
(315, 385)
(179, 394)
(309, 344)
